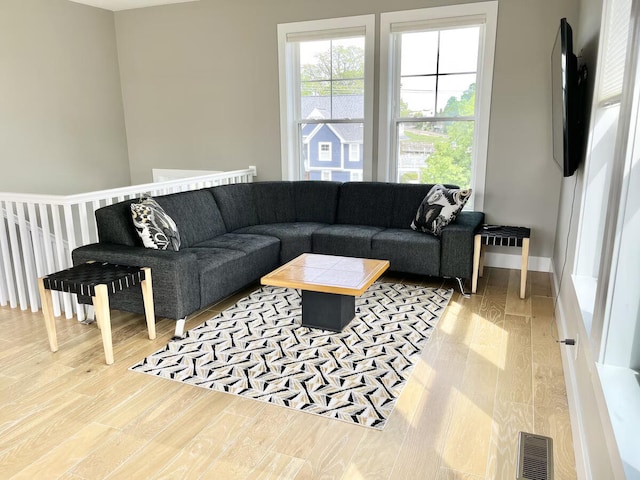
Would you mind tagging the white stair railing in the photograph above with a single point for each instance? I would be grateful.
(39, 232)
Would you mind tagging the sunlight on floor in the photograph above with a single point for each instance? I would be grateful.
(489, 333)
(449, 320)
(419, 385)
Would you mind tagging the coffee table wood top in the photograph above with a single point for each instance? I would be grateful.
(327, 274)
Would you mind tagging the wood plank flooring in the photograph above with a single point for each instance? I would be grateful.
(490, 370)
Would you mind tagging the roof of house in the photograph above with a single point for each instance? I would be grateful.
(343, 107)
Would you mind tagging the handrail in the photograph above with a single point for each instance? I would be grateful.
(38, 232)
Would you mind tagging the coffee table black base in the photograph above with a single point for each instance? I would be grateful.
(328, 311)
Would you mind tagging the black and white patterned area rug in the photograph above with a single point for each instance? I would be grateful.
(257, 349)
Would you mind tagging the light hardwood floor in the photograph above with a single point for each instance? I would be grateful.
(490, 370)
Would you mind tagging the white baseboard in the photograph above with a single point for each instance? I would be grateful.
(508, 260)
(594, 442)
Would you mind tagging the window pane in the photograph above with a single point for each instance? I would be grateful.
(417, 96)
(419, 53)
(456, 95)
(332, 79)
(435, 152)
(459, 50)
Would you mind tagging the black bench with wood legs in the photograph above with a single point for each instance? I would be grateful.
(97, 280)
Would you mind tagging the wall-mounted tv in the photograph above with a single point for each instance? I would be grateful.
(567, 84)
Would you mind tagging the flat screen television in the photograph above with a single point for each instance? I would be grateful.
(567, 102)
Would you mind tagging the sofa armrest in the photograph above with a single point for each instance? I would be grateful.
(175, 279)
(456, 249)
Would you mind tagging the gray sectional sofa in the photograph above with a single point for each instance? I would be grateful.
(234, 234)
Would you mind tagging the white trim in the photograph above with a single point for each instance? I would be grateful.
(484, 80)
(589, 416)
(288, 83)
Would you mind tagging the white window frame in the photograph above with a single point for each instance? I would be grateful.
(325, 175)
(330, 152)
(288, 67)
(484, 12)
(354, 152)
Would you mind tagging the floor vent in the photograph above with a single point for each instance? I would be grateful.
(535, 457)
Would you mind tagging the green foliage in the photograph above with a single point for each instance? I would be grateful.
(409, 178)
(451, 160)
(342, 66)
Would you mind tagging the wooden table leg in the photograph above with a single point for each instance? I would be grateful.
(525, 266)
(103, 317)
(477, 247)
(49, 319)
(147, 295)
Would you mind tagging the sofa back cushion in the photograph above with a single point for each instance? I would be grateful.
(236, 205)
(366, 203)
(115, 224)
(274, 202)
(316, 201)
(196, 215)
(406, 201)
(407, 198)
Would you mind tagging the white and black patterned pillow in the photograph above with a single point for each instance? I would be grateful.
(155, 227)
(439, 208)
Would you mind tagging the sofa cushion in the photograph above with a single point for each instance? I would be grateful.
(156, 228)
(295, 238)
(274, 202)
(439, 208)
(214, 267)
(196, 214)
(236, 205)
(345, 240)
(232, 261)
(408, 251)
(246, 243)
(407, 197)
(365, 203)
(316, 201)
(115, 226)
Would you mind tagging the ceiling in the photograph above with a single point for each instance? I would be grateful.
(116, 5)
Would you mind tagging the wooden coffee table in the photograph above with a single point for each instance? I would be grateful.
(329, 286)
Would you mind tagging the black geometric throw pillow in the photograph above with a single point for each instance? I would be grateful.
(155, 227)
(439, 208)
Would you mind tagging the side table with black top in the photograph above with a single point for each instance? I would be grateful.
(504, 236)
(97, 280)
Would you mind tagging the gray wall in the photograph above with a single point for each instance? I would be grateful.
(200, 90)
(61, 119)
(523, 182)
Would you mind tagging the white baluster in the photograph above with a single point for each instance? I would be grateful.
(31, 279)
(61, 257)
(48, 240)
(15, 255)
(71, 245)
(9, 279)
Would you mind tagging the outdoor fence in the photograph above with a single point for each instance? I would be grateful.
(39, 232)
